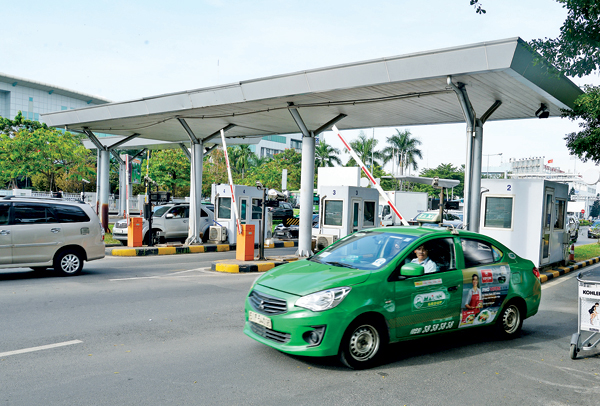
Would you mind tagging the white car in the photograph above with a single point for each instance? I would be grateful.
(44, 233)
(170, 222)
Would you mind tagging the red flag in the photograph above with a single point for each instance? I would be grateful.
(550, 161)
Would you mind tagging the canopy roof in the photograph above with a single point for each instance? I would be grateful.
(397, 91)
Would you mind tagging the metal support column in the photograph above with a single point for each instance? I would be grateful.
(475, 187)
(307, 179)
(104, 187)
(195, 194)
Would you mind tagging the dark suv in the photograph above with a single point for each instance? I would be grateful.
(282, 210)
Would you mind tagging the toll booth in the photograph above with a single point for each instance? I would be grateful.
(249, 206)
(529, 216)
(344, 210)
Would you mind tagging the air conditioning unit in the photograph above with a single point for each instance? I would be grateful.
(325, 240)
(217, 233)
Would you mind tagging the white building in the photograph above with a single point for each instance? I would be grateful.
(34, 98)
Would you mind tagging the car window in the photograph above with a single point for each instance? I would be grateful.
(31, 213)
(4, 208)
(478, 252)
(441, 251)
(203, 213)
(70, 214)
(178, 212)
(160, 210)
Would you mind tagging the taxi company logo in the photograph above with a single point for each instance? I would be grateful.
(261, 305)
(487, 276)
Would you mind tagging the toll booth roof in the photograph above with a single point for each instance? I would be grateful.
(395, 91)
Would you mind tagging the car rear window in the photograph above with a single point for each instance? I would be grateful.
(4, 207)
(70, 214)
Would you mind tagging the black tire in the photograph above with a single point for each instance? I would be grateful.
(123, 242)
(510, 321)
(205, 235)
(362, 345)
(573, 351)
(68, 263)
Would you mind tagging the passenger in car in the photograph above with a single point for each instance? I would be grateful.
(422, 253)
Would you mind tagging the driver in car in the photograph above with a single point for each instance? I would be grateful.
(422, 253)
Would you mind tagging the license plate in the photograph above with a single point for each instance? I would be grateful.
(260, 319)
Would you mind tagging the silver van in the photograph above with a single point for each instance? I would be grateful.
(169, 222)
(49, 233)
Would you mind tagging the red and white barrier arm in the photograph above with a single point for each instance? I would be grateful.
(235, 212)
(366, 171)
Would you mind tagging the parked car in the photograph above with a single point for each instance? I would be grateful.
(594, 229)
(49, 233)
(366, 290)
(282, 210)
(573, 228)
(170, 222)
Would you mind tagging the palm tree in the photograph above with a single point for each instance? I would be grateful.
(241, 158)
(365, 149)
(326, 155)
(402, 150)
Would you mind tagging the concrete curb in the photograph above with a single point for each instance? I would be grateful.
(236, 266)
(191, 249)
(555, 273)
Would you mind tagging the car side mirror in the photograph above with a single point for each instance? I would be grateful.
(411, 269)
(170, 216)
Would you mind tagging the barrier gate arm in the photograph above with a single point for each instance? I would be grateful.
(366, 171)
(235, 212)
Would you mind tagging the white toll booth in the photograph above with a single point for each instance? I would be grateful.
(249, 206)
(344, 210)
(529, 216)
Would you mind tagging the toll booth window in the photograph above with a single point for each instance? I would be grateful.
(559, 223)
(224, 208)
(498, 212)
(256, 209)
(369, 214)
(243, 208)
(333, 212)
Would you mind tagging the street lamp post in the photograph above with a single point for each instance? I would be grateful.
(487, 171)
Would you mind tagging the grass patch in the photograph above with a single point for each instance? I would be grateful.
(588, 251)
(108, 238)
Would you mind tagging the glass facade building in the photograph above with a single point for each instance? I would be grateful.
(34, 98)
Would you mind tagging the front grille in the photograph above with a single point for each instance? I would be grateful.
(266, 304)
(120, 225)
(270, 334)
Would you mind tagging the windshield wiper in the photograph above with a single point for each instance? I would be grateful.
(341, 264)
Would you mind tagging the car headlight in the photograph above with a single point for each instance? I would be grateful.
(324, 300)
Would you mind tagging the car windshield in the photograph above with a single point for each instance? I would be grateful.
(596, 224)
(160, 210)
(364, 250)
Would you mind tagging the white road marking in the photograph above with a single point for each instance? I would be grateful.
(40, 348)
(159, 276)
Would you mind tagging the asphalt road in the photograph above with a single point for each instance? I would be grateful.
(168, 331)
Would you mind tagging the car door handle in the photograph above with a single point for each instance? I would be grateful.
(4, 232)
(55, 230)
(185, 221)
(452, 288)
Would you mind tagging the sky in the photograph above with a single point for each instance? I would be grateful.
(124, 50)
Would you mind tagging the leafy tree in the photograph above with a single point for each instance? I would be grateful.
(405, 147)
(595, 209)
(478, 6)
(443, 171)
(214, 170)
(269, 174)
(170, 168)
(365, 149)
(11, 127)
(326, 155)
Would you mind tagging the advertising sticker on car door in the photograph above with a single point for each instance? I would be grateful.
(484, 290)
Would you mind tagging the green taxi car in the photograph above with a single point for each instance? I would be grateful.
(385, 285)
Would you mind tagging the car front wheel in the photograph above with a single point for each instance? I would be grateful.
(510, 321)
(68, 263)
(362, 345)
